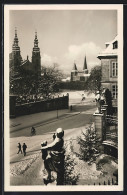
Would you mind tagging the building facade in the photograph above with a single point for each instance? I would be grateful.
(15, 58)
(109, 64)
(80, 75)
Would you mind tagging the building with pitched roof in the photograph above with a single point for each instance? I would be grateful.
(77, 75)
(109, 64)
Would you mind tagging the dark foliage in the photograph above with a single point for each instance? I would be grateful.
(26, 83)
(108, 97)
(73, 85)
(89, 145)
(93, 83)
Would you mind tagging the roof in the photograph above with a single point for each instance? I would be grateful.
(74, 67)
(85, 64)
(109, 51)
(25, 62)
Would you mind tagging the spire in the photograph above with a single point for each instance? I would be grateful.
(36, 48)
(85, 64)
(35, 34)
(75, 67)
(15, 32)
(36, 58)
(15, 46)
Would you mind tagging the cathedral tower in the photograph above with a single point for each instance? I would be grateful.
(85, 66)
(36, 58)
(74, 72)
(15, 58)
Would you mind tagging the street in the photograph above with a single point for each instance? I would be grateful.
(28, 170)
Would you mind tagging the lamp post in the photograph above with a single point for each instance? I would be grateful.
(58, 107)
(57, 111)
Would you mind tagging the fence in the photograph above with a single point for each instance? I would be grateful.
(111, 120)
(110, 135)
(108, 182)
(111, 132)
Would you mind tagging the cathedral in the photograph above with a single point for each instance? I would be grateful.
(80, 75)
(15, 58)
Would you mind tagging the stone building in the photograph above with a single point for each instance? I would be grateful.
(109, 64)
(77, 75)
(15, 58)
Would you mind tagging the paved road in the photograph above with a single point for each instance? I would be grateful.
(79, 117)
(27, 170)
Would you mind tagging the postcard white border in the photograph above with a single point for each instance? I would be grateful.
(7, 8)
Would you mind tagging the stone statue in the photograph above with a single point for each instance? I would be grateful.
(53, 156)
(102, 99)
(97, 98)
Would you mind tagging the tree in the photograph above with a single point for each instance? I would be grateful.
(93, 83)
(71, 176)
(48, 83)
(89, 145)
(15, 79)
(23, 82)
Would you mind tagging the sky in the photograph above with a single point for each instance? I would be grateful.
(64, 36)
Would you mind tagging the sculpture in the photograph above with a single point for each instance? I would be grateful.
(97, 98)
(53, 156)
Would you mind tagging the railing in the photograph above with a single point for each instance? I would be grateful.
(108, 182)
(111, 120)
(111, 128)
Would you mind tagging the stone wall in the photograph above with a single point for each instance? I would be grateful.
(105, 64)
(39, 106)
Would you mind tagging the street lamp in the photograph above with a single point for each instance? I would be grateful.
(57, 111)
(57, 106)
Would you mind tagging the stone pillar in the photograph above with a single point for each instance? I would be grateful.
(104, 111)
(105, 107)
(99, 119)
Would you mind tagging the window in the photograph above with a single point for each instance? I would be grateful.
(114, 69)
(114, 91)
(115, 45)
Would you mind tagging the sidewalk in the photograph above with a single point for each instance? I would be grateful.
(36, 119)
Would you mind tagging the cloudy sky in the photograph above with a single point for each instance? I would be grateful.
(64, 36)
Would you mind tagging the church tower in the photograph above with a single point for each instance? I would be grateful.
(36, 58)
(15, 58)
(74, 72)
(85, 66)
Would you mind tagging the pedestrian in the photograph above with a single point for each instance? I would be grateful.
(19, 147)
(54, 136)
(24, 149)
(83, 97)
(33, 131)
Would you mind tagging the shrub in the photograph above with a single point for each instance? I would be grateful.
(89, 145)
(71, 177)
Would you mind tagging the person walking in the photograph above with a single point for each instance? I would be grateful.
(33, 131)
(19, 147)
(24, 149)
